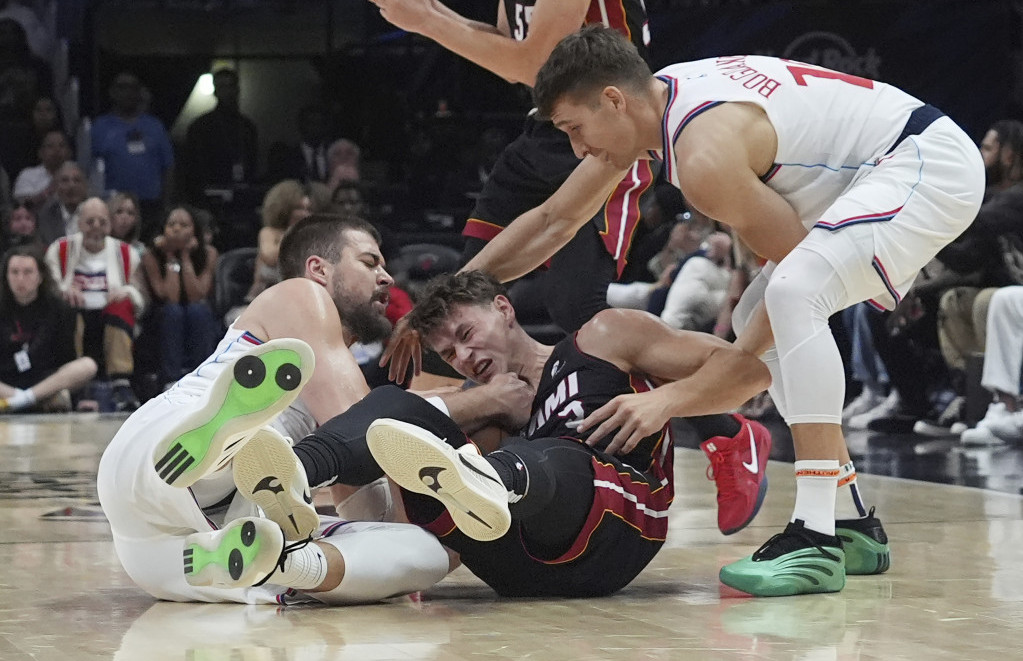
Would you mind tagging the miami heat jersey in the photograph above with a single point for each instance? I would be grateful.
(626, 16)
(829, 124)
(574, 384)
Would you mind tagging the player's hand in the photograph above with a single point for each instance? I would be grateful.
(409, 15)
(404, 346)
(635, 416)
(515, 396)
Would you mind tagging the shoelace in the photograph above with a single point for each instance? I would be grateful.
(801, 534)
(718, 471)
(288, 548)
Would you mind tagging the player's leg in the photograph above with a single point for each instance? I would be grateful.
(868, 245)
(336, 453)
(244, 396)
(149, 519)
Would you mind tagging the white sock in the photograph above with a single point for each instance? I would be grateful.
(848, 504)
(21, 399)
(816, 486)
(304, 568)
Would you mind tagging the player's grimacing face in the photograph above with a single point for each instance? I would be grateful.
(473, 339)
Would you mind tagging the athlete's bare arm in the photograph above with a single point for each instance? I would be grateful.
(492, 47)
(534, 237)
(701, 374)
(303, 309)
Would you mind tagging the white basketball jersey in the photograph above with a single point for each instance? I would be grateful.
(829, 124)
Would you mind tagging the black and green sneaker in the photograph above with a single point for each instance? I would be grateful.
(795, 561)
(242, 554)
(246, 395)
(866, 545)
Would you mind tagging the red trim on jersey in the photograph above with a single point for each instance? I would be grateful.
(618, 495)
(615, 16)
(481, 229)
(621, 212)
(62, 250)
(126, 261)
(442, 526)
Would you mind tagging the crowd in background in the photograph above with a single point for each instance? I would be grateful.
(112, 238)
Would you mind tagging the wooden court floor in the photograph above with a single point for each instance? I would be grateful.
(955, 590)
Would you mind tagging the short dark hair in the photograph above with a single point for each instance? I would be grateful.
(320, 234)
(47, 288)
(591, 59)
(447, 290)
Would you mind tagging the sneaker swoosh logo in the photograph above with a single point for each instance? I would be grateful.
(477, 471)
(753, 466)
(428, 476)
(269, 483)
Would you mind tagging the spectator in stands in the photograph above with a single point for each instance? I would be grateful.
(59, 216)
(284, 205)
(344, 162)
(179, 268)
(37, 183)
(1003, 366)
(19, 229)
(701, 286)
(38, 364)
(221, 146)
(97, 276)
(346, 200)
(307, 160)
(24, 77)
(124, 220)
(136, 151)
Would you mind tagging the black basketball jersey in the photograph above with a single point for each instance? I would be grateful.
(574, 384)
(626, 16)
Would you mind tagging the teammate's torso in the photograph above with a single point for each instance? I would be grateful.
(626, 16)
(574, 384)
(828, 124)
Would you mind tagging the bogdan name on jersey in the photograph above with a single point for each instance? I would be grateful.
(736, 68)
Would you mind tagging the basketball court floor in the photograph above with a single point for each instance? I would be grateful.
(955, 590)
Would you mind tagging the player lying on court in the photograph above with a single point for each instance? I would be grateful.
(545, 514)
(170, 481)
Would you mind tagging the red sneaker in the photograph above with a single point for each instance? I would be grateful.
(737, 466)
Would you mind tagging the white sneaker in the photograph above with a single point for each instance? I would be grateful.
(462, 479)
(1008, 427)
(267, 473)
(242, 554)
(243, 397)
(867, 399)
(980, 437)
(887, 408)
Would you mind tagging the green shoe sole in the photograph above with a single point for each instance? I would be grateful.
(863, 554)
(245, 396)
(241, 555)
(804, 571)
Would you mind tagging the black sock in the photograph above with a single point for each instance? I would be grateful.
(709, 426)
(511, 470)
(319, 462)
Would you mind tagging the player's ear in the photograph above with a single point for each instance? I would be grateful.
(615, 97)
(316, 269)
(505, 307)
